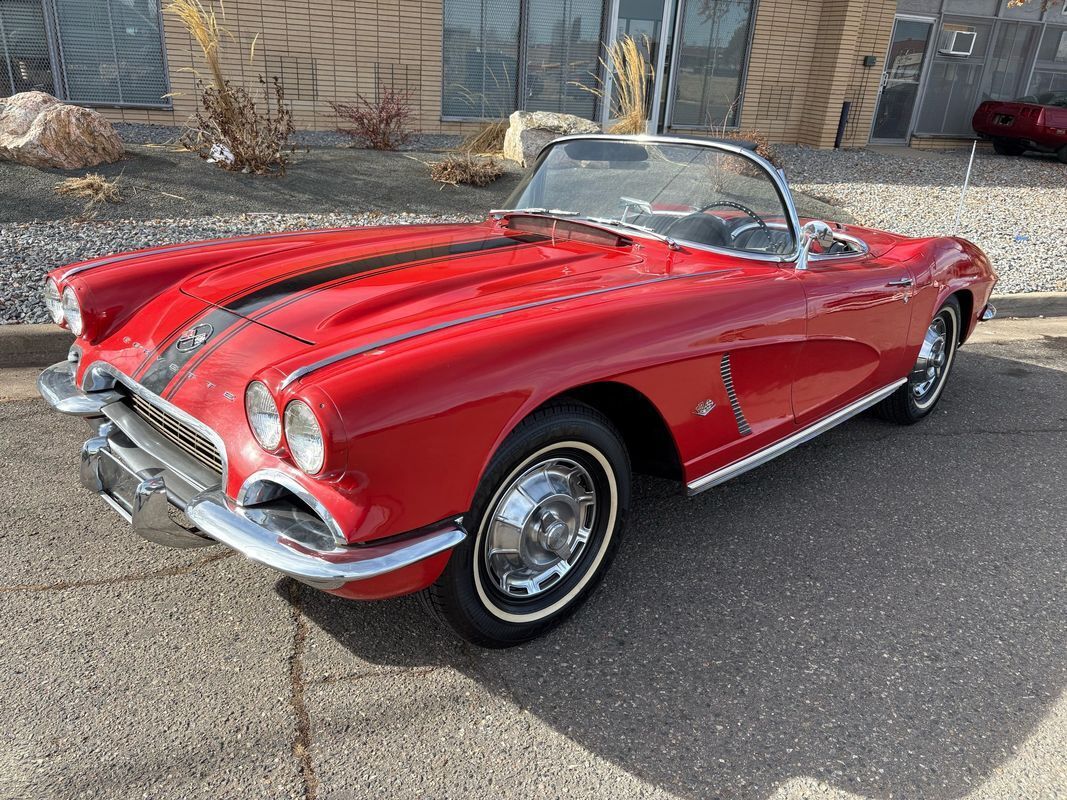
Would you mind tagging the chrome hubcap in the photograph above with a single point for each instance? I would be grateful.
(933, 356)
(540, 527)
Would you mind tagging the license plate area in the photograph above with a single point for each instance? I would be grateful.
(1003, 119)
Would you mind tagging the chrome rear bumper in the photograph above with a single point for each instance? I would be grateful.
(171, 502)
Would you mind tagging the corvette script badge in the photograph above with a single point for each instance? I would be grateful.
(194, 337)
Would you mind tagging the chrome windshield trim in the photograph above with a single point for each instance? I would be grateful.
(777, 177)
(303, 372)
(97, 375)
(761, 457)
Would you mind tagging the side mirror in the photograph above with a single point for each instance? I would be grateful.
(810, 233)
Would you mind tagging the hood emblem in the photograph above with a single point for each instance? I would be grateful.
(194, 337)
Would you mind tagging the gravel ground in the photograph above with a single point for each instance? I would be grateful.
(139, 133)
(1014, 208)
(29, 250)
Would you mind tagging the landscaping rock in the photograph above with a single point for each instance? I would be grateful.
(529, 131)
(39, 131)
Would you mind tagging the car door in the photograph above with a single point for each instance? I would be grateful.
(858, 313)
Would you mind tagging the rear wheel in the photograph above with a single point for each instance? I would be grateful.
(1007, 147)
(1061, 154)
(545, 523)
(919, 395)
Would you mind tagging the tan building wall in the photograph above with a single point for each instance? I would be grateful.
(323, 50)
(806, 59)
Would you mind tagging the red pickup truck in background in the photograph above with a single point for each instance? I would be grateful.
(1035, 122)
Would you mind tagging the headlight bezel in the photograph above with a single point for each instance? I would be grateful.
(53, 301)
(306, 453)
(72, 311)
(269, 443)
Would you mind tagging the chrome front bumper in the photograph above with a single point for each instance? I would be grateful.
(172, 501)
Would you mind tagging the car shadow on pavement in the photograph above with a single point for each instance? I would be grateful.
(882, 610)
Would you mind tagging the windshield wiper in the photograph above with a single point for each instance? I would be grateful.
(673, 245)
(555, 212)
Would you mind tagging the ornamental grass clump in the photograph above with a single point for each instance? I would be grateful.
(93, 188)
(630, 73)
(488, 140)
(234, 129)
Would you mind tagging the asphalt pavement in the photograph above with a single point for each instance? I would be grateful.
(879, 613)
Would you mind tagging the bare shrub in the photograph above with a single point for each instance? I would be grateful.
(490, 139)
(238, 135)
(750, 135)
(456, 169)
(231, 129)
(93, 187)
(381, 124)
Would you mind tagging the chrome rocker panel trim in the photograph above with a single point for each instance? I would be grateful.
(784, 445)
(145, 488)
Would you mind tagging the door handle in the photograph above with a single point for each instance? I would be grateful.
(901, 282)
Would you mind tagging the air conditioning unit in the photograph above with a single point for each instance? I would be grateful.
(956, 43)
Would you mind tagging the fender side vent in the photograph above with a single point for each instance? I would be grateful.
(728, 382)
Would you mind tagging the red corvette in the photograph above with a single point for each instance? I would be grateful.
(456, 409)
(1034, 122)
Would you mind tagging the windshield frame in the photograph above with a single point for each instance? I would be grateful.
(777, 179)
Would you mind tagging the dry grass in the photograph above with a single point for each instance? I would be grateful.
(466, 169)
(93, 187)
(630, 74)
(203, 25)
(488, 140)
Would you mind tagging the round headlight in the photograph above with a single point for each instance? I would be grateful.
(72, 312)
(53, 301)
(263, 417)
(304, 436)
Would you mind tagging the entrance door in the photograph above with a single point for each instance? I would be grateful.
(642, 20)
(900, 82)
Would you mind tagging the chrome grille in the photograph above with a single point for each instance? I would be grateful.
(180, 432)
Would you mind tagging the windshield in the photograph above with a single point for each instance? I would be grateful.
(1058, 99)
(688, 192)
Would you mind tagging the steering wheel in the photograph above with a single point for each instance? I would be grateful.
(743, 209)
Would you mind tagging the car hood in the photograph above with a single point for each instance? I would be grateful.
(326, 289)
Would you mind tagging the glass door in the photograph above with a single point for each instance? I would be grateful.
(900, 81)
(644, 21)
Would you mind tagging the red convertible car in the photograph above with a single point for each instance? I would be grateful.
(456, 410)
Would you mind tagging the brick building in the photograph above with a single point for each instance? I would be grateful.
(909, 70)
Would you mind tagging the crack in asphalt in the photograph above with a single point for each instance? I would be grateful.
(373, 673)
(302, 740)
(166, 572)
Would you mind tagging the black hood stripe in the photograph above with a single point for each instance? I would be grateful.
(159, 373)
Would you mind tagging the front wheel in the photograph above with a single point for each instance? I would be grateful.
(918, 396)
(545, 523)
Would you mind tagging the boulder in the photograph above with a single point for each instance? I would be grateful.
(529, 131)
(39, 131)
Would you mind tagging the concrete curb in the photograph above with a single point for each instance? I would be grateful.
(41, 345)
(33, 345)
(1031, 304)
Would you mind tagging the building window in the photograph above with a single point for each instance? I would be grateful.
(481, 54)
(93, 52)
(710, 55)
(500, 55)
